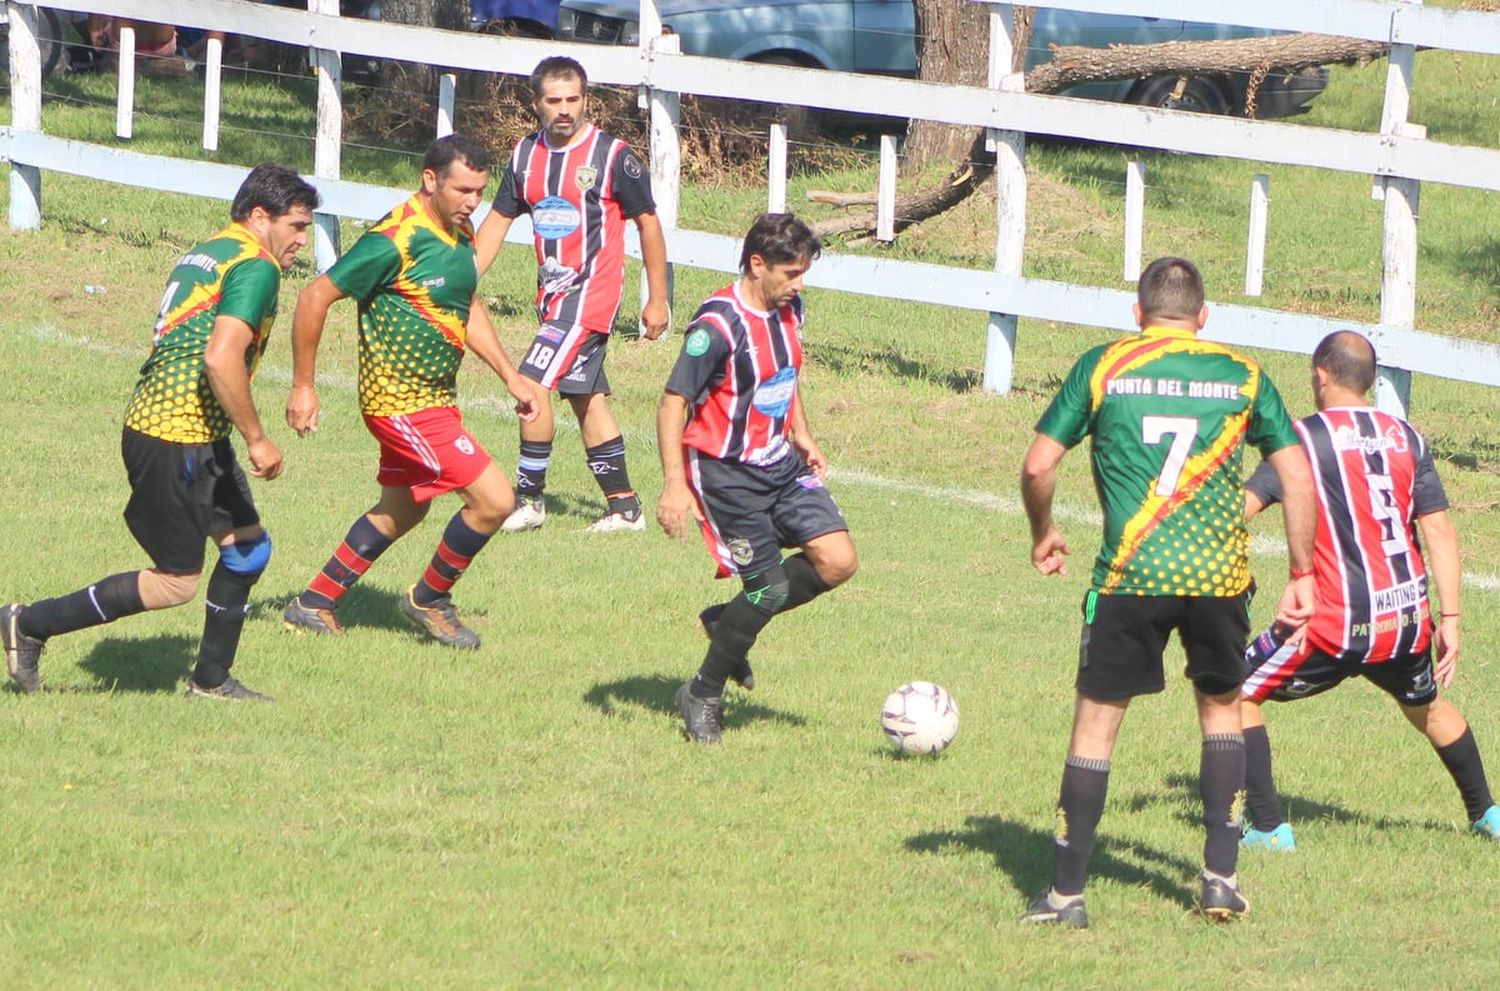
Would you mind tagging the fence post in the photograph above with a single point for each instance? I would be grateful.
(885, 191)
(329, 68)
(1255, 249)
(666, 142)
(776, 171)
(125, 91)
(213, 71)
(1010, 203)
(1398, 254)
(25, 113)
(1135, 218)
(447, 97)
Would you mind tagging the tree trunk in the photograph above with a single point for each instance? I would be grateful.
(952, 47)
(414, 83)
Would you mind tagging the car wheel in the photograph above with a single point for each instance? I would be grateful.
(49, 40)
(1200, 94)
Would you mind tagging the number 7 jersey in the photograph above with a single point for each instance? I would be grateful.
(1169, 415)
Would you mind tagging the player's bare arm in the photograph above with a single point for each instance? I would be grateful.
(489, 238)
(224, 362)
(1445, 571)
(656, 315)
(485, 343)
(1299, 516)
(311, 314)
(802, 438)
(1038, 484)
(676, 507)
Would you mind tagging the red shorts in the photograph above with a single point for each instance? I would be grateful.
(428, 452)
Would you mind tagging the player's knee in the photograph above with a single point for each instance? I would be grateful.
(839, 568)
(161, 590)
(247, 558)
(768, 590)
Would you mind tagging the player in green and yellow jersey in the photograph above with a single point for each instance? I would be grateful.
(185, 484)
(414, 277)
(1169, 415)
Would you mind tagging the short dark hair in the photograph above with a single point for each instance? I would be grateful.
(1348, 358)
(1170, 288)
(275, 189)
(779, 238)
(556, 66)
(450, 148)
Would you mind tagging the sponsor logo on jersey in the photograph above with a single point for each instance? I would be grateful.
(554, 218)
(697, 343)
(465, 446)
(436, 283)
(1347, 438)
(585, 178)
(774, 397)
(555, 276)
(740, 551)
(551, 334)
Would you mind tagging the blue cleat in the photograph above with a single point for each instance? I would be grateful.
(1281, 840)
(1489, 823)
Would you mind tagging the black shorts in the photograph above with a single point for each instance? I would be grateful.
(1283, 672)
(1120, 650)
(179, 495)
(568, 359)
(751, 512)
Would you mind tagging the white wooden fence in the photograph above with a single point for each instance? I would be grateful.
(1399, 157)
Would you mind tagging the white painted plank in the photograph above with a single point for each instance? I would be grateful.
(26, 113)
(1255, 247)
(447, 97)
(776, 166)
(666, 159)
(125, 88)
(213, 72)
(1135, 219)
(885, 191)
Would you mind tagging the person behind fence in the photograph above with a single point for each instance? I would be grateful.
(1376, 487)
(413, 275)
(580, 186)
(737, 455)
(1169, 415)
(185, 481)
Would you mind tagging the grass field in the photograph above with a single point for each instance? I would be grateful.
(528, 816)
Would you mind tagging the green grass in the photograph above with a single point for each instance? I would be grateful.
(527, 816)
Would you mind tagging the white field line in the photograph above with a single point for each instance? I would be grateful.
(1261, 544)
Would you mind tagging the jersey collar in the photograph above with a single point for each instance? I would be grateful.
(1157, 330)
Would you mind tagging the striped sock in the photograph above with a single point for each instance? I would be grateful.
(362, 545)
(454, 553)
(607, 462)
(531, 468)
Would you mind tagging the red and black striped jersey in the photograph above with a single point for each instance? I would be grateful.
(1374, 475)
(738, 369)
(579, 198)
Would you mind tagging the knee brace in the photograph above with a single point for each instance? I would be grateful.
(247, 558)
(768, 590)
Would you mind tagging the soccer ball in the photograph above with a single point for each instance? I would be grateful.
(919, 718)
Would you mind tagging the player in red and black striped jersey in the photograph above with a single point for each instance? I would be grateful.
(186, 485)
(580, 186)
(1376, 488)
(736, 454)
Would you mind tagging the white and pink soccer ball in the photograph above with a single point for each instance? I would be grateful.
(919, 718)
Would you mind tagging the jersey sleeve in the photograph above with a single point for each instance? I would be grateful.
(630, 185)
(371, 265)
(250, 291)
(1264, 484)
(1067, 418)
(1270, 425)
(1428, 495)
(508, 202)
(700, 363)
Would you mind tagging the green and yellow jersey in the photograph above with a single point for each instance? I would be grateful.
(230, 274)
(1169, 415)
(414, 282)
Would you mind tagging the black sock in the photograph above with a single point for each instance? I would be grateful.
(734, 634)
(1461, 758)
(225, 606)
(1261, 799)
(105, 601)
(1221, 781)
(454, 554)
(607, 462)
(1080, 803)
(803, 582)
(531, 468)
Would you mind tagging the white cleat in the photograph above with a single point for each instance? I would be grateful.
(624, 519)
(529, 514)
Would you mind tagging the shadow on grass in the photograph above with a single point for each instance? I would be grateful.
(1025, 854)
(893, 362)
(656, 693)
(152, 664)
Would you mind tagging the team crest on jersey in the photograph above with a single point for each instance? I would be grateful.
(632, 166)
(585, 178)
(465, 446)
(740, 551)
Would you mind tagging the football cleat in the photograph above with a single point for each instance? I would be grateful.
(618, 520)
(1489, 823)
(22, 653)
(529, 514)
(703, 719)
(439, 621)
(1071, 915)
(307, 619)
(230, 691)
(1279, 839)
(1221, 901)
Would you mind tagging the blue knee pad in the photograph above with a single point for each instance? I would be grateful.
(248, 558)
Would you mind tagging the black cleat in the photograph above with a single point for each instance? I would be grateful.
(1221, 901)
(230, 691)
(22, 653)
(703, 719)
(439, 621)
(742, 674)
(300, 618)
(1071, 916)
